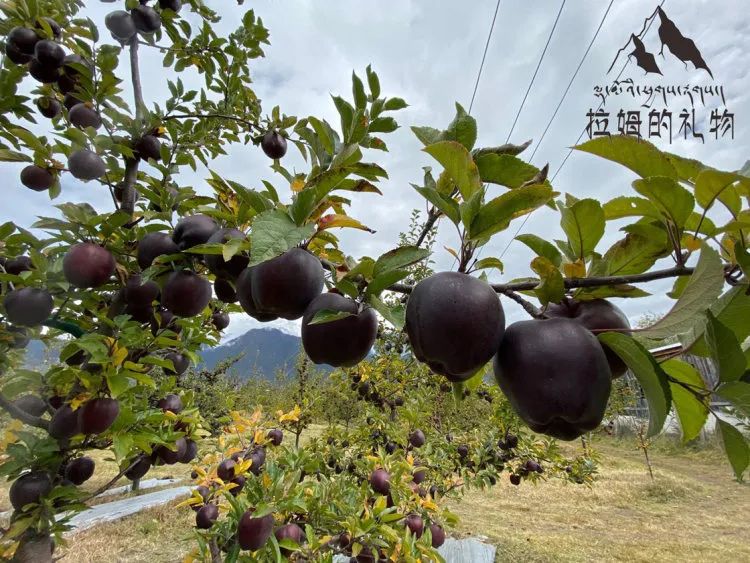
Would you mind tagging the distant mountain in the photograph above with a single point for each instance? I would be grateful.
(265, 350)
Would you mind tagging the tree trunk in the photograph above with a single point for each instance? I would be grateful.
(136, 485)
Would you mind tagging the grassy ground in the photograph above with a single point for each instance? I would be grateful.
(693, 511)
(105, 470)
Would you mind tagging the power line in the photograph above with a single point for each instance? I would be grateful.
(601, 104)
(560, 103)
(523, 223)
(539, 64)
(572, 78)
(481, 66)
(484, 55)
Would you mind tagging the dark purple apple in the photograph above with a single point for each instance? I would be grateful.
(216, 263)
(171, 403)
(29, 488)
(97, 415)
(28, 306)
(206, 516)
(252, 532)
(193, 230)
(380, 481)
(455, 324)
(37, 178)
(595, 315)
(343, 342)
(88, 265)
(79, 470)
(154, 245)
(186, 293)
(289, 532)
(273, 144)
(281, 287)
(138, 467)
(64, 423)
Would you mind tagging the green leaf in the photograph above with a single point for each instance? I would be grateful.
(670, 198)
(398, 258)
(497, 214)
(358, 90)
(7, 155)
(736, 448)
(448, 206)
(117, 384)
(725, 350)
(583, 223)
(632, 255)
(640, 156)
(322, 131)
(552, 288)
(542, 248)
(505, 170)
(427, 135)
(383, 125)
(463, 129)
(394, 104)
(274, 233)
(649, 374)
(373, 83)
(489, 262)
(737, 393)
(384, 280)
(394, 315)
(691, 410)
(346, 111)
(328, 315)
(703, 288)
(733, 310)
(458, 164)
(687, 168)
(711, 185)
(623, 206)
(469, 208)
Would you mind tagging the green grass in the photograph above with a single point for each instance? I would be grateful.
(692, 511)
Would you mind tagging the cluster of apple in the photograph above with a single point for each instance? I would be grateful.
(555, 373)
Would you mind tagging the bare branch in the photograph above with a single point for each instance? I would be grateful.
(530, 308)
(22, 415)
(574, 283)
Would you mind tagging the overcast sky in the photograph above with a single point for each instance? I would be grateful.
(429, 53)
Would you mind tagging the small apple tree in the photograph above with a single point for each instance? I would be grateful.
(139, 290)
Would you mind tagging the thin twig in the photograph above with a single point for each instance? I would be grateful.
(530, 308)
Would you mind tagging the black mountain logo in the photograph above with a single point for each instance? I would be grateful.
(671, 37)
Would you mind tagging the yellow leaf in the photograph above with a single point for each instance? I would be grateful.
(119, 353)
(575, 269)
(452, 252)
(336, 220)
(298, 183)
(691, 243)
(292, 416)
(429, 505)
(78, 400)
(266, 480)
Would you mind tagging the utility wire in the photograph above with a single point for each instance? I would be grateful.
(572, 78)
(539, 64)
(601, 104)
(484, 55)
(559, 104)
(479, 74)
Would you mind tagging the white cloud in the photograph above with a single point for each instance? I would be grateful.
(428, 53)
